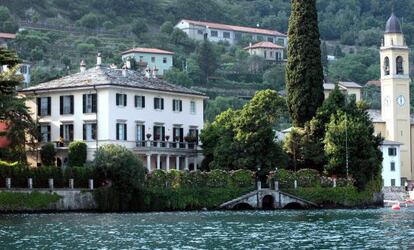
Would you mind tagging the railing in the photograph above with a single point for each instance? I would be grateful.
(166, 144)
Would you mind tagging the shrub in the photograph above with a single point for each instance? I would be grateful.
(121, 166)
(77, 153)
(47, 154)
(193, 179)
(308, 177)
(217, 178)
(157, 179)
(242, 178)
(285, 178)
(174, 178)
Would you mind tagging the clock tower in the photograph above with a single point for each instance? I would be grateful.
(395, 91)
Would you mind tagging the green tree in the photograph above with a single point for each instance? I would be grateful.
(275, 77)
(77, 152)
(167, 27)
(47, 154)
(7, 23)
(178, 77)
(221, 104)
(304, 72)
(13, 111)
(139, 27)
(324, 56)
(89, 20)
(206, 59)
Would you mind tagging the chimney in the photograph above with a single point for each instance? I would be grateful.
(128, 63)
(147, 72)
(82, 66)
(154, 72)
(124, 71)
(98, 60)
(250, 45)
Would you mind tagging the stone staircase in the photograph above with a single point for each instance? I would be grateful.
(395, 194)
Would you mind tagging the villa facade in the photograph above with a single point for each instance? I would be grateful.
(101, 105)
(155, 59)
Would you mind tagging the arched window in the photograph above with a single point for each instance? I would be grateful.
(386, 66)
(400, 69)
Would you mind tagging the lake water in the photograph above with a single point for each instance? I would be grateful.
(316, 229)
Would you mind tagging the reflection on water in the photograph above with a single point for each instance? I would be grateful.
(320, 229)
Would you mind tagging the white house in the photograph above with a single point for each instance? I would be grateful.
(158, 59)
(216, 32)
(269, 51)
(101, 105)
(348, 88)
(391, 165)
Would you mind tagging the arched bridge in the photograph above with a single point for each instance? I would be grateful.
(267, 199)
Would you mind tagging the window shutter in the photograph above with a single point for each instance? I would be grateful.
(181, 134)
(174, 134)
(94, 103)
(48, 133)
(117, 131)
(143, 132)
(196, 135)
(94, 130)
(39, 133)
(125, 132)
(61, 105)
(136, 101)
(72, 106)
(49, 105)
(117, 99)
(181, 105)
(84, 103)
(143, 101)
(173, 104)
(155, 103)
(163, 133)
(38, 106)
(125, 100)
(71, 132)
(61, 131)
(162, 103)
(84, 132)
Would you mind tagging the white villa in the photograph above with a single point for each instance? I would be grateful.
(155, 59)
(101, 105)
(267, 50)
(215, 32)
(391, 164)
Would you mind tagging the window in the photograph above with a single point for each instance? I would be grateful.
(153, 59)
(386, 66)
(271, 53)
(159, 133)
(66, 132)
(66, 104)
(164, 60)
(23, 69)
(177, 105)
(281, 41)
(89, 103)
(226, 34)
(392, 166)
(44, 132)
(259, 38)
(178, 134)
(270, 39)
(140, 101)
(192, 107)
(158, 103)
(44, 106)
(141, 58)
(193, 132)
(200, 32)
(400, 70)
(121, 100)
(392, 151)
(214, 33)
(265, 54)
(393, 182)
(140, 132)
(89, 131)
(121, 131)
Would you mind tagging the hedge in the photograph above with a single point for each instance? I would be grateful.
(10, 201)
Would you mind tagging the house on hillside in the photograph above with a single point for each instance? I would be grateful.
(349, 88)
(215, 32)
(391, 163)
(5, 38)
(267, 50)
(101, 105)
(155, 59)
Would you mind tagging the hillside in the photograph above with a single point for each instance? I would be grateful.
(57, 34)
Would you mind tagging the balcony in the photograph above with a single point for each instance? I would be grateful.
(167, 146)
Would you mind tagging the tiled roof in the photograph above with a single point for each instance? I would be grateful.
(331, 86)
(374, 82)
(104, 76)
(148, 50)
(350, 85)
(266, 45)
(391, 143)
(235, 28)
(7, 35)
(375, 115)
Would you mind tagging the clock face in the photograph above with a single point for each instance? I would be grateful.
(401, 100)
(387, 101)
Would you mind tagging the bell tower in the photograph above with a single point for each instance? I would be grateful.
(395, 91)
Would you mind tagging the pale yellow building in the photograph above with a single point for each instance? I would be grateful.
(348, 88)
(394, 122)
(267, 50)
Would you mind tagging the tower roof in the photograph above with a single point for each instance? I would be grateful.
(393, 25)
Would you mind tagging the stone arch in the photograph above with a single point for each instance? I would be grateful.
(386, 66)
(268, 202)
(399, 65)
(242, 206)
(293, 205)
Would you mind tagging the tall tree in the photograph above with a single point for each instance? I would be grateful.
(13, 110)
(304, 72)
(207, 60)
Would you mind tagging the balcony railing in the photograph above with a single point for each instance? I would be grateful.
(167, 144)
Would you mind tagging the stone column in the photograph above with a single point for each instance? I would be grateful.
(158, 161)
(149, 162)
(51, 183)
(177, 162)
(195, 163)
(167, 159)
(8, 183)
(90, 182)
(259, 185)
(186, 163)
(295, 184)
(30, 183)
(71, 183)
(276, 186)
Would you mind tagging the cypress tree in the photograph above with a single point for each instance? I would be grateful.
(304, 72)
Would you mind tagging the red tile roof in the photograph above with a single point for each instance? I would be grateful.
(148, 50)
(266, 45)
(7, 35)
(235, 28)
